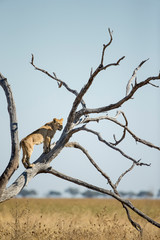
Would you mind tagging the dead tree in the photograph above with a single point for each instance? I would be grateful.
(77, 121)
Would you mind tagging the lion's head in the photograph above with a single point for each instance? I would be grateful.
(58, 123)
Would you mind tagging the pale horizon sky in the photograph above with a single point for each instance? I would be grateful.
(66, 37)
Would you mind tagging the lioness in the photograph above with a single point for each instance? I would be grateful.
(42, 135)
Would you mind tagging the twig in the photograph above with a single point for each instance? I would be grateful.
(134, 224)
(105, 46)
(124, 130)
(133, 76)
(113, 64)
(154, 85)
(123, 174)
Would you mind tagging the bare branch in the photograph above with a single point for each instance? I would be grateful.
(102, 190)
(138, 163)
(120, 140)
(154, 85)
(149, 144)
(106, 117)
(131, 133)
(133, 76)
(134, 224)
(124, 131)
(14, 159)
(123, 174)
(78, 146)
(72, 117)
(113, 64)
(115, 148)
(22, 181)
(125, 126)
(113, 186)
(120, 102)
(91, 72)
(59, 81)
(75, 117)
(105, 46)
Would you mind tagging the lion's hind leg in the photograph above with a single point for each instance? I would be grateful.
(28, 156)
(27, 152)
(24, 154)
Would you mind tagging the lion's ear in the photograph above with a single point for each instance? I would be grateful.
(54, 120)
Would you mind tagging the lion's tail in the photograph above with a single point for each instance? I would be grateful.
(20, 144)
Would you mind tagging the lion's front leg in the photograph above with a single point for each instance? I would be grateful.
(47, 145)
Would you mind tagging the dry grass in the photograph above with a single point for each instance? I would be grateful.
(74, 219)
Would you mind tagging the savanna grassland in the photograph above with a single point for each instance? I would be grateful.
(74, 219)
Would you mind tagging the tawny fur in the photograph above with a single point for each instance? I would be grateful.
(42, 135)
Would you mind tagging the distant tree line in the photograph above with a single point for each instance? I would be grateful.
(74, 192)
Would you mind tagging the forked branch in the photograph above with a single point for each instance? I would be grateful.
(124, 126)
(134, 76)
(59, 81)
(78, 146)
(118, 104)
(112, 185)
(137, 162)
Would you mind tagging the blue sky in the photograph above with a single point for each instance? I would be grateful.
(66, 37)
